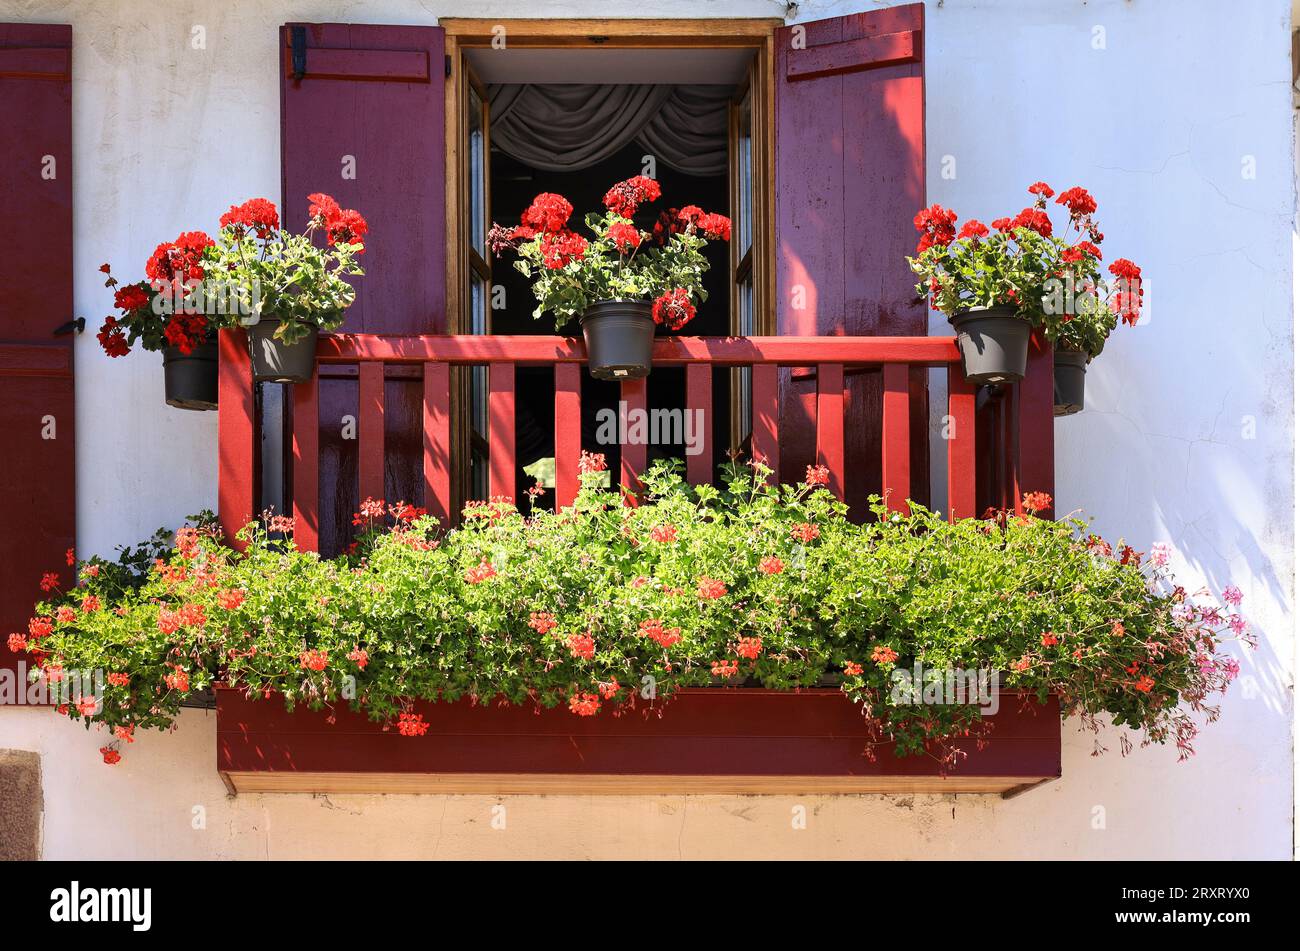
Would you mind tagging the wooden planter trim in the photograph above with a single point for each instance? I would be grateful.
(707, 741)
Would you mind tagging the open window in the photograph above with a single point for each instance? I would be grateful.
(532, 111)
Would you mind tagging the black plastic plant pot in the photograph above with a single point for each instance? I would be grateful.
(1069, 367)
(190, 379)
(620, 338)
(994, 344)
(275, 361)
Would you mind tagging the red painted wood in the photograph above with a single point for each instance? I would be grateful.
(851, 56)
(236, 472)
(718, 732)
(699, 397)
(633, 455)
(370, 431)
(830, 423)
(437, 441)
(36, 63)
(306, 465)
(374, 142)
(765, 396)
(718, 351)
(850, 176)
(501, 429)
(568, 431)
(394, 130)
(1035, 435)
(1010, 454)
(960, 440)
(380, 65)
(896, 439)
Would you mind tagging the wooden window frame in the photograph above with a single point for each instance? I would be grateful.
(463, 33)
(757, 33)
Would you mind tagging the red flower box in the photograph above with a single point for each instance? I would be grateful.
(721, 741)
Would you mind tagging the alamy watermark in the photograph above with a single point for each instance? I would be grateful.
(51, 686)
(940, 686)
(659, 427)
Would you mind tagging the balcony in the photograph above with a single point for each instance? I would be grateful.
(734, 740)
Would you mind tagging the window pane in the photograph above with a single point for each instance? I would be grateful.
(744, 224)
(477, 167)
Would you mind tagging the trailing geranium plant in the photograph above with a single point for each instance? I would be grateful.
(163, 310)
(620, 261)
(753, 583)
(252, 270)
(1053, 281)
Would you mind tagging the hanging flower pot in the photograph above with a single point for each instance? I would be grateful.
(620, 337)
(621, 282)
(994, 344)
(275, 361)
(190, 379)
(1067, 381)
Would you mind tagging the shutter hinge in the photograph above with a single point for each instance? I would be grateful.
(446, 65)
(76, 325)
(298, 35)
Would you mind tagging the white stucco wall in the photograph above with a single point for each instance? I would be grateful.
(1159, 123)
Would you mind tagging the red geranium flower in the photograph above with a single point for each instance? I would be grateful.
(673, 309)
(1078, 201)
(749, 647)
(771, 565)
(805, 532)
(257, 214)
(131, 297)
(582, 646)
(111, 756)
(412, 724)
(625, 237)
(179, 260)
(559, 248)
(548, 212)
(624, 198)
(591, 462)
(663, 534)
(710, 589)
(973, 229)
(584, 704)
(883, 655)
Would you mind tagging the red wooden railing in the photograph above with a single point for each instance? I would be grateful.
(1016, 436)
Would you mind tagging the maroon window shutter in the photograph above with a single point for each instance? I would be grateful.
(850, 176)
(37, 480)
(362, 120)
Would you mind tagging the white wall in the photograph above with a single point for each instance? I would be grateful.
(1158, 124)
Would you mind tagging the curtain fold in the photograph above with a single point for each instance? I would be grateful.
(568, 127)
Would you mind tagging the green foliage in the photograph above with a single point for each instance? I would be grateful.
(286, 277)
(754, 583)
(605, 273)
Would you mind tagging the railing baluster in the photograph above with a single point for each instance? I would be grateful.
(830, 423)
(895, 453)
(960, 437)
(235, 429)
(764, 444)
(306, 464)
(633, 454)
(568, 431)
(437, 441)
(501, 429)
(370, 430)
(699, 397)
(1035, 423)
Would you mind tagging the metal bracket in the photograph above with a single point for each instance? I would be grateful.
(298, 39)
(76, 325)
